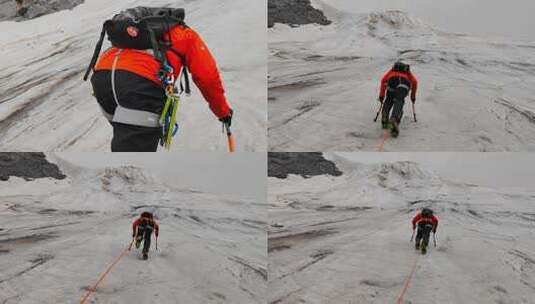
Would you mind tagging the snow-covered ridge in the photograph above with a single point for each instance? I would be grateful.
(394, 19)
(386, 185)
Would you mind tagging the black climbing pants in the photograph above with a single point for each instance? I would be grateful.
(136, 93)
(144, 232)
(394, 102)
(424, 231)
(128, 138)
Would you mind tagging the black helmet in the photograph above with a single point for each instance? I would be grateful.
(401, 67)
(426, 212)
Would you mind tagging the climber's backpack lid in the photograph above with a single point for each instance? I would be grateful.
(140, 28)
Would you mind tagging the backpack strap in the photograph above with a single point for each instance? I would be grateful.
(98, 47)
(185, 74)
(159, 54)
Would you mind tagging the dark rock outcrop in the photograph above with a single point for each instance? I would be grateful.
(28, 166)
(309, 164)
(34, 8)
(294, 13)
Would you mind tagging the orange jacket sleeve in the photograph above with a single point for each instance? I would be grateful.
(202, 67)
(414, 86)
(384, 82)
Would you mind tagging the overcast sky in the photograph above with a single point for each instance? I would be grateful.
(499, 18)
(502, 170)
(239, 173)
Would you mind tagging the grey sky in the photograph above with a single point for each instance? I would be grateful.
(243, 174)
(501, 170)
(497, 18)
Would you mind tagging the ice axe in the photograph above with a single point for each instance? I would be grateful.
(414, 112)
(378, 112)
(230, 137)
(156, 243)
(435, 239)
(412, 237)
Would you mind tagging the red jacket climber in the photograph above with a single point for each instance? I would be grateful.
(146, 218)
(419, 218)
(201, 65)
(426, 223)
(131, 85)
(142, 231)
(396, 84)
(395, 74)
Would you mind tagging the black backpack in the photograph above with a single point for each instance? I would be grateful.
(401, 67)
(426, 212)
(143, 28)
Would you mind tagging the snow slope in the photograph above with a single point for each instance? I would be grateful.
(57, 237)
(475, 94)
(346, 239)
(45, 105)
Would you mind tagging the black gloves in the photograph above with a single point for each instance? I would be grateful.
(227, 120)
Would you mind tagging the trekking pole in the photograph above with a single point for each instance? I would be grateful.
(131, 243)
(378, 112)
(412, 237)
(230, 137)
(414, 113)
(133, 240)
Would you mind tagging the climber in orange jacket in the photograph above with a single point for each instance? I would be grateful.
(129, 77)
(142, 229)
(426, 223)
(396, 83)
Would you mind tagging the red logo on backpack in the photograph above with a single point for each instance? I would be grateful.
(132, 31)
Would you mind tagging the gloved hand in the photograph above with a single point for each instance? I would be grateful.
(413, 100)
(380, 99)
(227, 120)
(133, 235)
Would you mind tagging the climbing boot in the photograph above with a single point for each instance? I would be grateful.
(424, 249)
(394, 128)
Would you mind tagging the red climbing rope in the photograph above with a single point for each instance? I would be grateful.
(93, 288)
(407, 282)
